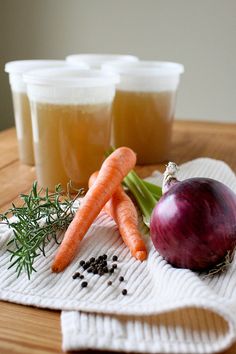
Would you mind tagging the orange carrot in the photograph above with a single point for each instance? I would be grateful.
(121, 208)
(113, 170)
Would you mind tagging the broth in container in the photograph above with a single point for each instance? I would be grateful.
(71, 115)
(144, 107)
(21, 106)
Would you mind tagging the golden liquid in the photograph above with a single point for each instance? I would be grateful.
(70, 142)
(143, 122)
(23, 127)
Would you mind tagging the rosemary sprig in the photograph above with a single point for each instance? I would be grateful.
(39, 219)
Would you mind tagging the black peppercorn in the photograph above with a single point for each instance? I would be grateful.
(84, 284)
(121, 278)
(109, 283)
(76, 275)
(114, 266)
(124, 292)
(114, 258)
(82, 262)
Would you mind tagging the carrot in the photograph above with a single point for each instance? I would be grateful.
(113, 170)
(121, 208)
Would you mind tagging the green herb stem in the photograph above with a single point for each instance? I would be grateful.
(39, 219)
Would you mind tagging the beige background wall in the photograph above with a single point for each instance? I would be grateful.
(200, 34)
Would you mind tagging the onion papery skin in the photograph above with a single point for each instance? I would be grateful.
(194, 224)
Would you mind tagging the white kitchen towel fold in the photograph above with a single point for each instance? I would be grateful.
(187, 330)
(166, 310)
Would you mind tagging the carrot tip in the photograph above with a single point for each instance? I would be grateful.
(141, 255)
(55, 269)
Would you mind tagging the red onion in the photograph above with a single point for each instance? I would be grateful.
(194, 224)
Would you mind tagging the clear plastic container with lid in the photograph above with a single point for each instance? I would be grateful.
(71, 115)
(144, 107)
(16, 69)
(95, 61)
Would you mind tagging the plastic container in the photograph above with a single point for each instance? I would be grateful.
(71, 115)
(95, 61)
(16, 69)
(144, 107)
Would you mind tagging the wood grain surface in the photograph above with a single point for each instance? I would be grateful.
(28, 330)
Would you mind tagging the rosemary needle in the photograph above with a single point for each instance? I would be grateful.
(38, 220)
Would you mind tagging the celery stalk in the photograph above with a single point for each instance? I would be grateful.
(154, 189)
(145, 193)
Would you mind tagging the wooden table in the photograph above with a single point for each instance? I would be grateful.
(28, 330)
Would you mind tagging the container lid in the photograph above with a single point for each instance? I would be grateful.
(144, 68)
(96, 60)
(22, 66)
(70, 77)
